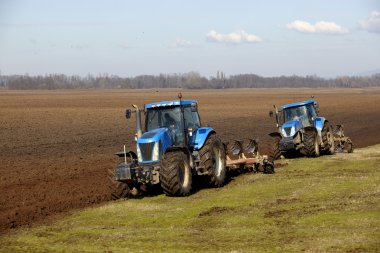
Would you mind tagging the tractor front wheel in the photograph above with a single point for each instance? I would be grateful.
(119, 190)
(213, 159)
(175, 174)
(272, 146)
(311, 145)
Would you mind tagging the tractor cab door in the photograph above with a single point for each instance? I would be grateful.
(311, 113)
(192, 123)
(166, 117)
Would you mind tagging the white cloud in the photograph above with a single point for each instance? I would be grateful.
(321, 27)
(180, 43)
(371, 23)
(234, 37)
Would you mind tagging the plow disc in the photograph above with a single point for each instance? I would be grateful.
(247, 157)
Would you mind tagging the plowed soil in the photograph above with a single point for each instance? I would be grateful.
(56, 146)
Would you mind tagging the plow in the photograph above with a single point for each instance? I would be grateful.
(246, 157)
(342, 142)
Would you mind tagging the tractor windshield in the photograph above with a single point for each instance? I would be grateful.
(304, 113)
(168, 117)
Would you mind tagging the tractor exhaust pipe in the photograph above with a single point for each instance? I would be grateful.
(138, 120)
(277, 116)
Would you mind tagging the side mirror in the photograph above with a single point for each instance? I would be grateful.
(128, 113)
(271, 114)
(194, 107)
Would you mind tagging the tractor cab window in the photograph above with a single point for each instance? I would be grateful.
(166, 117)
(301, 113)
(311, 112)
(191, 119)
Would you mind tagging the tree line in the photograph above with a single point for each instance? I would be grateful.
(191, 80)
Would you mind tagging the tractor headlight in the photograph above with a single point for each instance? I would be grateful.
(156, 151)
(292, 131)
(287, 133)
(139, 157)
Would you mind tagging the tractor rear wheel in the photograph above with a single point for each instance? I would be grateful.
(311, 144)
(213, 159)
(175, 174)
(273, 148)
(328, 140)
(119, 190)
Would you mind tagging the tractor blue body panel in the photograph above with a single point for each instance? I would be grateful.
(318, 124)
(160, 135)
(201, 136)
(294, 125)
(298, 104)
(169, 103)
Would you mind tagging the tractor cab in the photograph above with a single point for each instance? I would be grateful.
(292, 117)
(180, 118)
(305, 112)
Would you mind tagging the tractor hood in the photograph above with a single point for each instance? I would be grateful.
(290, 128)
(151, 145)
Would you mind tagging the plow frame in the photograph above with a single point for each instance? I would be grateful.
(342, 142)
(247, 157)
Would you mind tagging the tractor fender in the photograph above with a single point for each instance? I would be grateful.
(201, 136)
(319, 122)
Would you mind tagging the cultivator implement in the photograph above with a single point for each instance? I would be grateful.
(246, 157)
(342, 142)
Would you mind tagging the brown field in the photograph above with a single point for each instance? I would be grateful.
(56, 146)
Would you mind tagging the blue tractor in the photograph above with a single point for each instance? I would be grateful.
(301, 130)
(172, 147)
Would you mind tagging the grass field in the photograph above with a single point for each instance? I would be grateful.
(327, 204)
(56, 146)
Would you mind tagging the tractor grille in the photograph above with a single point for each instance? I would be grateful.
(288, 130)
(146, 151)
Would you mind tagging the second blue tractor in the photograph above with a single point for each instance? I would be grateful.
(301, 130)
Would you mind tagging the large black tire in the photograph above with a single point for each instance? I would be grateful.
(328, 139)
(119, 190)
(273, 148)
(311, 144)
(213, 159)
(175, 174)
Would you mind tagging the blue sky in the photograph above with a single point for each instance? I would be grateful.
(327, 38)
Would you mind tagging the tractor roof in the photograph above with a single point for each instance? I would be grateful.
(169, 103)
(298, 104)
